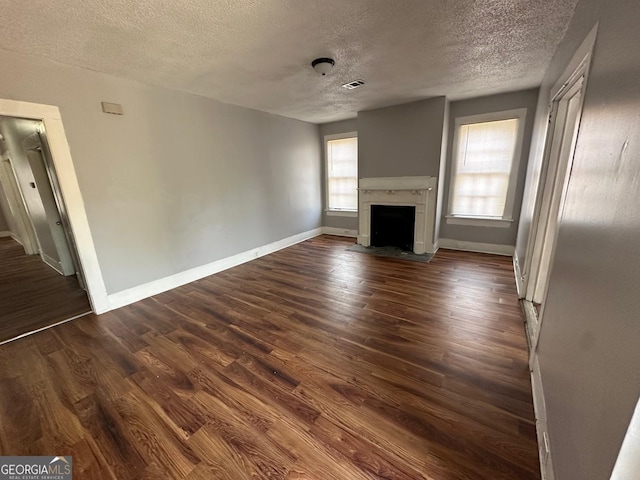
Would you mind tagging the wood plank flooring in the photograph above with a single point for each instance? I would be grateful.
(310, 363)
(32, 294)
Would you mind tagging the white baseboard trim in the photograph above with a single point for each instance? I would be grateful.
(495, 249)
(146, 290)
(52, 262)
(340, 232)
(518, 274)
(16, 238)
(546, 464)
(5, 234)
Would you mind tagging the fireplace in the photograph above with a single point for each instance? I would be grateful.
(393, 226)
(416, 193)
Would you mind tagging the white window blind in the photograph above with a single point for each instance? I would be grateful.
(482, 168)
(342, 174)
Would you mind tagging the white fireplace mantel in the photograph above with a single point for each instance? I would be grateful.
(418, 192)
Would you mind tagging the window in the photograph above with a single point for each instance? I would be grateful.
(486, 153)
(342, 174)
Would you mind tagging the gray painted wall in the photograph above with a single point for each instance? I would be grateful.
(589, 347)
(178, 181)
(402, 140)
(494, 103)
(335, 128)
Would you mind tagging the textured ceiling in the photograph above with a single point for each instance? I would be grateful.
(257, 53)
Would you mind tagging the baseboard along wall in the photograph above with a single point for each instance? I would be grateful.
(340, 232)
(146, 290)
(495, 249)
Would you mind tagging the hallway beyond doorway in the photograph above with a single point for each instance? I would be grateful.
(32, 295)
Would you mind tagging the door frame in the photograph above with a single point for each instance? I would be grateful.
(555, 185)
(554, 188)
(68, 264)
(577, 70)
(70, 191)
(62, 208)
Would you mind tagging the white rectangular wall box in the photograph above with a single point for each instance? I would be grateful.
(113, 108)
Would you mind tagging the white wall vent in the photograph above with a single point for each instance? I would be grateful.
(354, 84)
(112, 108)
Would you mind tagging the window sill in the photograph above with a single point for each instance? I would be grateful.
(479, 221)
(341, 213)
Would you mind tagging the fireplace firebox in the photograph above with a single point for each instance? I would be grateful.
(393, 226)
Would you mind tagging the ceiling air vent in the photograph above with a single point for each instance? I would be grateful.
(354, 84)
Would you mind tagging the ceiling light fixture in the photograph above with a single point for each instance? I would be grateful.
(323, 65)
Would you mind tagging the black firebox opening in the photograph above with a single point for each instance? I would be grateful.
(392, 226)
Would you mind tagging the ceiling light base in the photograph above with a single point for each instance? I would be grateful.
(323, 65)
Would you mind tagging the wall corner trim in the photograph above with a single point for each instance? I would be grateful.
(493, 248)
(140, 292)
(340, 232)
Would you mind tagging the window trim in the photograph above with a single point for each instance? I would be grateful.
(336, 212)
(341, 213)
(483, 221)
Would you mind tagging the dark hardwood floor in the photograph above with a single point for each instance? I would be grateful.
(310, 363)
(32, 294)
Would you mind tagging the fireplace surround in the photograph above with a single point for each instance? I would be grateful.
(418, 192)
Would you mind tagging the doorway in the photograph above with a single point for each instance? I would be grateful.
(564, 121)
(41, 281)
(567, 115)
(70, 190)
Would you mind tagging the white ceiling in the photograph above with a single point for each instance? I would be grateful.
(257, 53)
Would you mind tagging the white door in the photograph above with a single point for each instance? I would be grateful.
(565, 118)
(54, 221)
